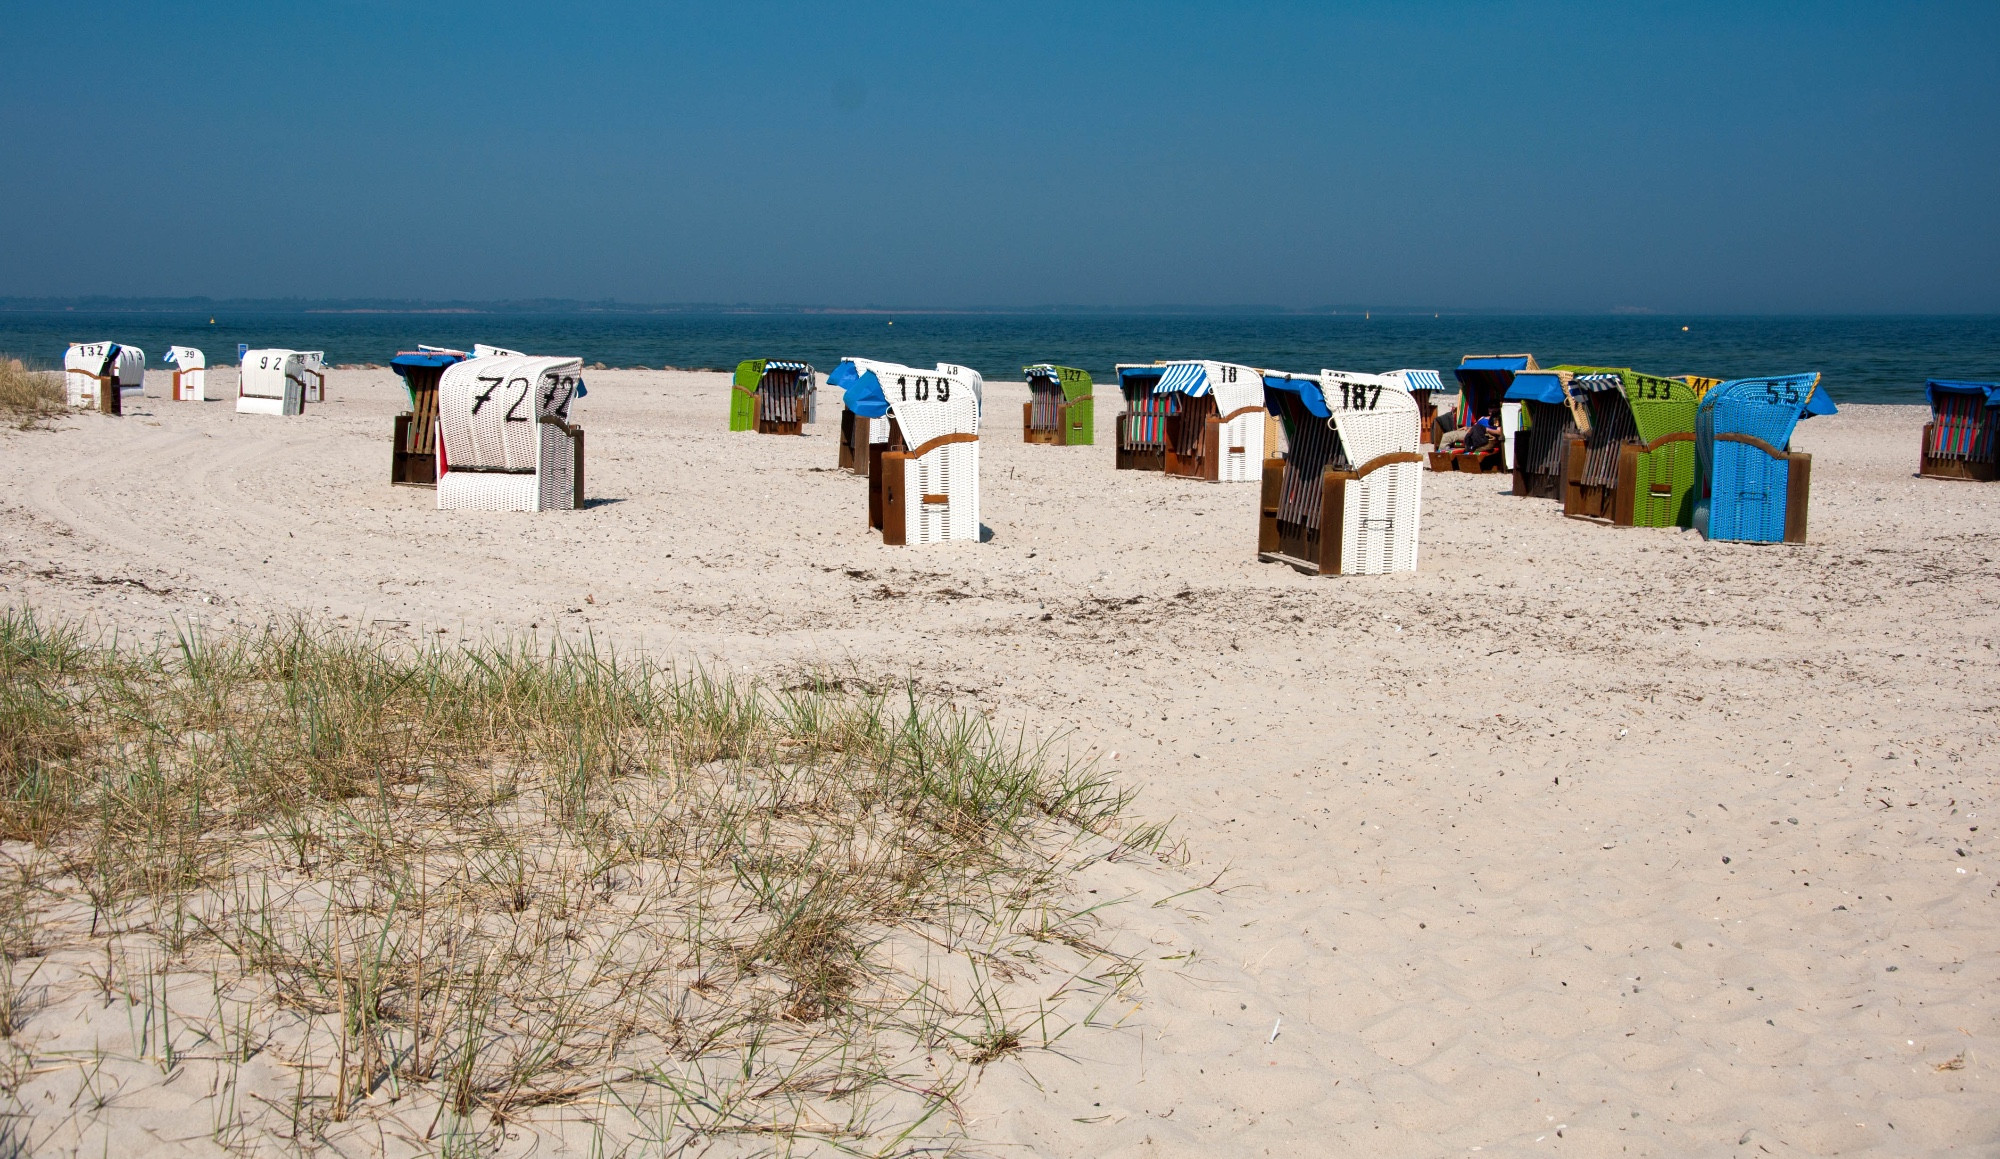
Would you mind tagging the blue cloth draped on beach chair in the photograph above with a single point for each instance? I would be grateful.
(1749, 485)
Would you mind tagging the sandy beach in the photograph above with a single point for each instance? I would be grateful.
(1578, 840)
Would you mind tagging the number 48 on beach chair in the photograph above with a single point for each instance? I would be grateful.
(505, 442)
(1346, 497)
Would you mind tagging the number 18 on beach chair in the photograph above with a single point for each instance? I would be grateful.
(97, 375)
(928, 493)
(1346, 497)
(1215, 430)
(1058, 410)
(1750, 486)
(771, 397)
(1959, 440)
(505, 442)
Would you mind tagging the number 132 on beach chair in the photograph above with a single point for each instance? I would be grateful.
(505, 442)
(928, 493)
(96, 375)
(1346, 497)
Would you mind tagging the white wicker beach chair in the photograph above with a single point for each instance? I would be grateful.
(276, 382)
(927, 492)
(190, 374)
(505, 442)
(1346, 497)
(91, 369)
(1218, 432)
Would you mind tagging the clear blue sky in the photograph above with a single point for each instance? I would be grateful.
(1764, 157)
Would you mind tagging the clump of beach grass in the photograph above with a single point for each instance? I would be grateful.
(484, 884)
(28, 396)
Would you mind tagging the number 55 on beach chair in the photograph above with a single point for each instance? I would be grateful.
(1346, 497)
(279, 382)
(1750, 486)
(928, 493)
(505, 442)
(1216, 432)
(1959, 440)
(771, 397)
(1059, 408)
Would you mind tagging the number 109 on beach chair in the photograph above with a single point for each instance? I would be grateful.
(505, 442)
(928, 493)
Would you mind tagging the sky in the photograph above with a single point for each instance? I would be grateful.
(1745, 157)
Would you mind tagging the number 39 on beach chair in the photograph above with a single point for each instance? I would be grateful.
(1058, 410)
(280, 382)
(1750, 486)
(97, 375)
(1216, 431)
(928, 493)
(771, 397)
(190, 374)
(505, 442)
(1346, 497)
(1959, 440)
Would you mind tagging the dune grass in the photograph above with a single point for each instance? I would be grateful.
(483, 885)
(29, 396)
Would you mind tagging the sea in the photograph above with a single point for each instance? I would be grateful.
(1866, 359)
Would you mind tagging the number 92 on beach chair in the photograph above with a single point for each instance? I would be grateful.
(1750, 486)
(505, 442)
(280, 382)
(1346, 496)
(928, 493)
(97, 375)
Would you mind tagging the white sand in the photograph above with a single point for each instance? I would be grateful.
(1471, 823)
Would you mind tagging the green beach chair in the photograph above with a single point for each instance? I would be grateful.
(1635, 466)
(771, 397)
(1059, 408)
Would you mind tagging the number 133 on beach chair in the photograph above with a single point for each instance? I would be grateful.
(505, 442)
(928, 493)
(1346, 497)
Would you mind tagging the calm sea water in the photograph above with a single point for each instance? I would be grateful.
(1863, 359)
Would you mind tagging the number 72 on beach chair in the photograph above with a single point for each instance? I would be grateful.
(505, 442)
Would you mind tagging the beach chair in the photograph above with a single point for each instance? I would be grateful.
(1541, 448)
(1345, 499)
(1426, 389)
(1750, 487)
(863, 437)
(771, 397)
(928, 491)
(1959, 439)
(1215, 429)
(1142, 428)
(413, 449)
(1635, 466)
(280, 382)
(1483, 382)
(98, 375)
(190, 374)
(505, 442)
(1058, 410)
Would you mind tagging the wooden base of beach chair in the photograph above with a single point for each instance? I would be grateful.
(1798, 495)
(1030, 433)
(853, 443)
(408, 468)
(1313, 551)
(1937, 467)
(1582, 500)
(1470, 462)
(1531, 486)
(764, 426)
(1142, 459)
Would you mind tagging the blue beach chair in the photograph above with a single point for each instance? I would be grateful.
(1750, 486)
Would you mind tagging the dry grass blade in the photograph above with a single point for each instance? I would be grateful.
(28, 396)
(505, 880)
